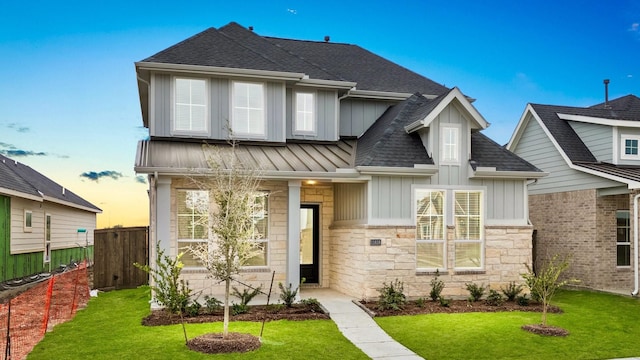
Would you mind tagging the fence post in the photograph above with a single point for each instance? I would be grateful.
(47, 305)
(7, 349)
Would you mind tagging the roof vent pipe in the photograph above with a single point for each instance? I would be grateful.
(606, 93)
(326, 38)
(250, 28)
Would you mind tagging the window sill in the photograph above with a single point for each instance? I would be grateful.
(468, 272)
(257, 269)
(430, 272)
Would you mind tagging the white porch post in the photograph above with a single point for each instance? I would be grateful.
(161, 222)
(293, 235)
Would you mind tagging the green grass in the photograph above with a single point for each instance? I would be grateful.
(109, 328)
(601, 326)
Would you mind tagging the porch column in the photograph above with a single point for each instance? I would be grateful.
(293, 235)
(160, 224)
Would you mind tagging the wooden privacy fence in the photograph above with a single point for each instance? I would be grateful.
(115, 251)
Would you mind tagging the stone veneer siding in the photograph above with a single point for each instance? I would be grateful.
(359, 269)
(583, 225)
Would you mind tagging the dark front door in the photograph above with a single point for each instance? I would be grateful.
(309, 242)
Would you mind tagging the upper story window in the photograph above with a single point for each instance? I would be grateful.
(28, 221)
(305, 119)
(630, 147)
(190, 107)
(450, 145)
(248, 109)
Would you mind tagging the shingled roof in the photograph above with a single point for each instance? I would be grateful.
(233, 46)
(19, 179)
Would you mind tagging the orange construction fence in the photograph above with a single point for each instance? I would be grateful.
(25, 318)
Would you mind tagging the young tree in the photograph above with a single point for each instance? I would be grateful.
(233, 201)
(546, 282)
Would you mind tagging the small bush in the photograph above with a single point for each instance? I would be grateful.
(420, 302)
(444, 302)
(237, 309)
(392, 296)
(522, 300)
(475, 291)
(193, 309)
(212, 304)
(287, 294)
(512, 291)
(494, 298)
(312, 304)
(275, 308)
(247, 294)
(436, 287)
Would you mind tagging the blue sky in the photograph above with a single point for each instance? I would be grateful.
(68, 97)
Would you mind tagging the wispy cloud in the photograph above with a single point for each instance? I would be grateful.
(635, 27)
(141, 179)
(292, 11)
(96, 176)
(19, 128)
(22, 153)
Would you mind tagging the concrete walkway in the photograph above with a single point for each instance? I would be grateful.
(358, 326)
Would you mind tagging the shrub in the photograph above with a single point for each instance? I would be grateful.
(247, 294)
(392, 296)
(275, 308)
(169, 290)
(212, 304)
(420, 302)
(436, 287)
(522, 300)
(444, 302)
(193, 309)
(475, 291)
(312, 304)
(512, 291)
(287, 294)
(237, 309)
(494, 298)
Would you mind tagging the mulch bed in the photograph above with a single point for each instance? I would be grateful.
(255, 313)
(456, 306)
(545, 330)
(215, 343)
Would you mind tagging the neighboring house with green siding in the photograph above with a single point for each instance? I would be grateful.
(41, 222)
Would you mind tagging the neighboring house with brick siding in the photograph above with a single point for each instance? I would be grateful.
(39, 222)
(585, 206)
(373, 172)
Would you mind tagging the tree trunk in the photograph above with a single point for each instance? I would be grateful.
(545, 304)
(227, 293)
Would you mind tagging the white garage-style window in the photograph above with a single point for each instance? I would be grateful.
(430, 229)
(468, 242)
(190, 106)
(305, 114)
(248, 109)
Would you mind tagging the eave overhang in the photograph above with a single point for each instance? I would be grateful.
(600, 121)
(417, 170)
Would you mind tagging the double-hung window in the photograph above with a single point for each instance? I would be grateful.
(193, 222)
(248, 109)
(468, 242)
(28, 221)
(305, 119)
(450, 145)
(190, 106)
(623, 244)
(430, 229)
(260, 227)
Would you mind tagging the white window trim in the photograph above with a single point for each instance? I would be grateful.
(264, 240)
(27, 227)
(251, 135)
(207, 119)
(623, 139)
(444, 225)
(314, 120)
(47, 242)
(480, 241)
(625, 243)
(180, 242)
(443, 129)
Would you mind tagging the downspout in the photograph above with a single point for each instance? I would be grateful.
(635, 244)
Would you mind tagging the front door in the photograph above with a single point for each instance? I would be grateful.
(309, 243)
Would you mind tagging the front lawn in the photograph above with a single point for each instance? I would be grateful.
(110, 328)
(601, 326)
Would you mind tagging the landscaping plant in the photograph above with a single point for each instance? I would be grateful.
(436, 287)
(475, 291)
(288, 294)
(247, 294)
(392, 296)
(547, 281)
(512, 291)
(494, 298)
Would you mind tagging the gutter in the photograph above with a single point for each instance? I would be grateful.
(635, 243)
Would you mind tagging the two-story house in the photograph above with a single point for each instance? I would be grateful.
(374, 172)
(585, 207)
(42, 224)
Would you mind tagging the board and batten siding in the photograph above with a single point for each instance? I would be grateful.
(357, 115)
(326, 111)
(350, 202)
(535, 147)
(65, 222)
(506, 201)
(219, 108)
(391, 199)
(598, 138)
